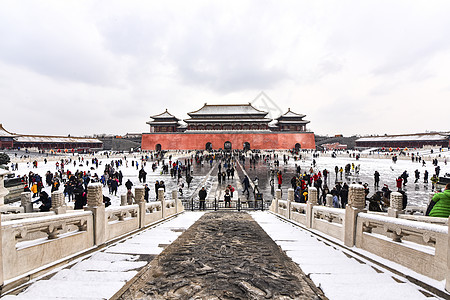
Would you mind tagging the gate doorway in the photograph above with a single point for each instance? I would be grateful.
(158, 147)
(208, 146)
(246, 146)
(227, 146)
(298, 147)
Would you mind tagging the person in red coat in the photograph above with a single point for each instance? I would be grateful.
(280, 179)
(399, 183)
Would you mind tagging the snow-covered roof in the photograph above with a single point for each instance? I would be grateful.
(53, 139)
(164, 115)
(226, 120)
(291, 114)
(4, 132)
(405, 137)
(226, 109)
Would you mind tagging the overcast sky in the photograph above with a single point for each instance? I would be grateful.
(352, 67)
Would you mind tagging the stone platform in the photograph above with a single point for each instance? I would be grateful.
(224, 255)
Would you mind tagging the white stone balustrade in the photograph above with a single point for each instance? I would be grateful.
(32, 240)
(389, 236)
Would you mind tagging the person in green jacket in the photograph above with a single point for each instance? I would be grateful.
(441, 201)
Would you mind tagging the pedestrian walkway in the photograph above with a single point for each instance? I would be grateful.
(104, 273)
(337, 273)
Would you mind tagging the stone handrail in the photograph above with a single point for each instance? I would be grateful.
(170, 203)
(152, 207)
(420, 246)
(417, 242)
(330, 214)
(425, 219)
(31, 243)
(121, 213)
(298, 208)
(20, 216)
(396, 228)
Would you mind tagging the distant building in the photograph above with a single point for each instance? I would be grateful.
(334, 146)
(239, 126)
(46, 142)
(417, 140)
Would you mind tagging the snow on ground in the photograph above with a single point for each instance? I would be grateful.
(128, 172)
(418, 194)
(339, 276)
(104, 273)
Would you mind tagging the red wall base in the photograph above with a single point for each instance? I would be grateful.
(197, 141)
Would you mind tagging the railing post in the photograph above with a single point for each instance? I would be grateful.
(277, 198)
(175, 200)
(312, 201)
(356, 204)
(290, 198)
(329, 200)
(58, 204)
(96, 206)
(25, 202)
(163, 202)
(215, 204)
(123, 200)
(239, 204)
(192, 203)
(139, 198)
(396, 205)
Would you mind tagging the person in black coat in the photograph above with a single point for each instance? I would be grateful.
(80, 197)
(45, 200)
(202, 196)
(246, 184)
(128, 184)
(146, 191)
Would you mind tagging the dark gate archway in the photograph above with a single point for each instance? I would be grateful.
(246, 146)
(158, 147)
(208, 146)
(298, 146)
(227, 146)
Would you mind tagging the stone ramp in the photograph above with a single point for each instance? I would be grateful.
(224, 255)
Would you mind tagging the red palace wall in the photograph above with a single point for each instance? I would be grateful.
(197, 141)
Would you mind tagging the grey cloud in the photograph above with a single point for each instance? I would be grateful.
(48, 44)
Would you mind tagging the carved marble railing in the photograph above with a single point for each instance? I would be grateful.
(121, 220)
(283, 208)
(329, 220)
(153, 212)
(298, 212)
(416, 242)
(420, 246)
(30, 243)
